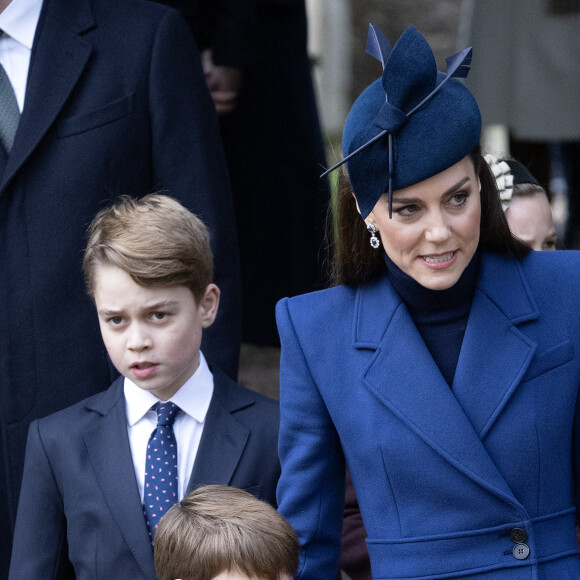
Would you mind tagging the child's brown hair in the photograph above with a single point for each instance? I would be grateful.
(156, 240)
(218, 529)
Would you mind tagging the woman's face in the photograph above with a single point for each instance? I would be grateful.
(434, 231)
(530, 219)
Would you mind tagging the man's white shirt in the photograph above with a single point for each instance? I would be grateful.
(18, 21)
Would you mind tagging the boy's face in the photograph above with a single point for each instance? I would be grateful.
(152, 334)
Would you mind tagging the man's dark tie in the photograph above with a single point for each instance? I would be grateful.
(160, 491)
(9, 112)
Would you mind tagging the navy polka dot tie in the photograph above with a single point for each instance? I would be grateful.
(160, 490)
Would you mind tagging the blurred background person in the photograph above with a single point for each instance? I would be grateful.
(258, 71)
(525, 202)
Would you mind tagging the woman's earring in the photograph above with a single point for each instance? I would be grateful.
(375, 242)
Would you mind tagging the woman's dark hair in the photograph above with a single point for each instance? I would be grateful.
(355, 262)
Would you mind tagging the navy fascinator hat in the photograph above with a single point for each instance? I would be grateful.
(412, 123)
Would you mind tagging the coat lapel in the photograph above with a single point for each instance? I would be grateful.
(59, 56)
(495, 354)
(115, 472)
(3, 160)
(404, 377)
(224, 437)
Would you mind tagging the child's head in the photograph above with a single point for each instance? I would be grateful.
(525, 202)
(529, 216)
(222, 532)
(148, 267)
(155, 240)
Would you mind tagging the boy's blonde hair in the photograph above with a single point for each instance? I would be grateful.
(218, 529)
(156, 240)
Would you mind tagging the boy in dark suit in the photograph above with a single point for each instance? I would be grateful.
(221, 533)
(100, 474)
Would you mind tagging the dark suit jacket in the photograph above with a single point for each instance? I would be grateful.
(79, 492)
(114, 105)
(442, 476)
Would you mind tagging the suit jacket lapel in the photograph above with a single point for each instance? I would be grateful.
(495, 354)
(224, 437)
(404, 377)
(115, 472)
(59, 56)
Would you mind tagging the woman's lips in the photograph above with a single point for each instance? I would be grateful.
(143, 369)
(439, 260)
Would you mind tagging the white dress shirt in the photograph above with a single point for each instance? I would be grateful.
(18, 21)
(193, 398)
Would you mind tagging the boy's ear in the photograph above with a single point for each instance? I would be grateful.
(209, 304)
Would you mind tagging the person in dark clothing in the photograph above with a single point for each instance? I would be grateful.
(258, 71)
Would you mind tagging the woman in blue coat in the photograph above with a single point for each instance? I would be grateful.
(444, 369)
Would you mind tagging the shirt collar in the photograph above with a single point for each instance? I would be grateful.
(193, 398)
(19, 20)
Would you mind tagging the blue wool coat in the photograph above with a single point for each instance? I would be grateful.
(443, 476)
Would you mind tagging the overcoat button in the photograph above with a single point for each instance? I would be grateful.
(521, 551)
(518, 536)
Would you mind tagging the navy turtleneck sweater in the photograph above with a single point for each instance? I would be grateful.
(440, 315)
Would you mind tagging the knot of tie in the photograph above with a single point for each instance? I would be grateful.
(166, 413)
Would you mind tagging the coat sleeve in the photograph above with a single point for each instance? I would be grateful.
(576, 463)
(40, 546)
(311, 488)
(189, 164)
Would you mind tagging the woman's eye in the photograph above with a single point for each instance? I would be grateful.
(115, 320)
(459, 199)
(407, 210)
(549, 245)
(159, 316)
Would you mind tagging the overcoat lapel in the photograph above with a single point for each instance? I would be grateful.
(115, 473)
(224, 437)
(404, 377)
(495, 354)
(3, 160)
(58, 58)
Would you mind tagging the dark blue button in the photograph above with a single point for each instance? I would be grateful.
(518, 536)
